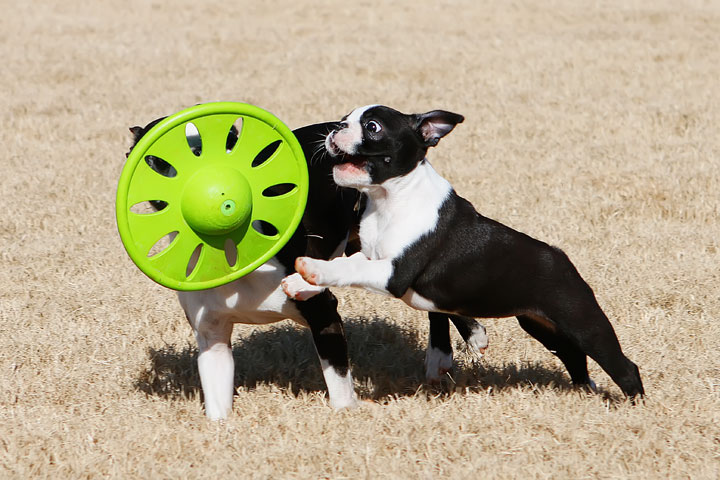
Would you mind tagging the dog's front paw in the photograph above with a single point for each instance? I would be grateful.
(297, 288)
(344, 404)
(309, 269)
(437, 365)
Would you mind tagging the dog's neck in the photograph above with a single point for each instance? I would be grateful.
(423, 183)
(401, 210)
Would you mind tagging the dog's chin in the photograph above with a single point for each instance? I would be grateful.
(351, 171)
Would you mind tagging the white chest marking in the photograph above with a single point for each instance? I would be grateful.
(401, 210)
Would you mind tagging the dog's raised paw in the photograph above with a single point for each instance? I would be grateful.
(297, 288)
(304, 266)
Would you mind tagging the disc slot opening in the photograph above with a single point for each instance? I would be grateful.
(161, 166)
(265, 228)
(192, 135)
(148, 207)
(193, 261)
(162, 244)
(266, 153)
(234, 135)
(231, 253)
(279, 189)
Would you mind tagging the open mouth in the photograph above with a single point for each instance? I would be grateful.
(345, 160)
(350, 165)
(354, 160)
(348, 170)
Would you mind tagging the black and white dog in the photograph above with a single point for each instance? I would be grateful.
(330, 218)
(426, 245)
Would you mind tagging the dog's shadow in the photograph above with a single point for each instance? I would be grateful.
(387, 361)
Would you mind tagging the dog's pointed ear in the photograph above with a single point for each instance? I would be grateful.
(136, 131)
(432, 126)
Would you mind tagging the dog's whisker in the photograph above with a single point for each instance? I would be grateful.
(318, 154)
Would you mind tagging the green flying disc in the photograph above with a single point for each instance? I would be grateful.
(211, 193)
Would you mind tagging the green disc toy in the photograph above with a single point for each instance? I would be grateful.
(202, 202)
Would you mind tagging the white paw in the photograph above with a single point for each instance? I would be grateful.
(217, 408)
(309, 270)
(437, 364)
(478, 340)
(215, 414)
(341, 388)
(297, 288)
(345, 404)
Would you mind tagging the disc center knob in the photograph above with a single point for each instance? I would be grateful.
(216, 200)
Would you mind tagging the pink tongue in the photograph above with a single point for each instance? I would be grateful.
(349, 168)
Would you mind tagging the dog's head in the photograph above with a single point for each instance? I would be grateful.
(139, 132)
(376, 143)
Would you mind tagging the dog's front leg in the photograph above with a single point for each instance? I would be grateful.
(215, 361)
(320, 313)
(353, 271)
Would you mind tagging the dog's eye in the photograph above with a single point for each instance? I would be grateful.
(373, 126)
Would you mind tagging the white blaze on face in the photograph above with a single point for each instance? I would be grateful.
(347, 140)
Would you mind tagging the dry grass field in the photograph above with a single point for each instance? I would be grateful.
(594, 126)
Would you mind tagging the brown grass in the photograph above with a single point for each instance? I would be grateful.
(592, 125)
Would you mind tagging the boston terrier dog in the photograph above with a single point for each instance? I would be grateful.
(330, 218)
(426, 245)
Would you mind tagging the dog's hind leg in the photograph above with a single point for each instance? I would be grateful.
(572, 357)
(472, 331)
(584, 323)
(439, 353)
(601, 344)
(215, 361)
(320, 313)
(568, 320)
